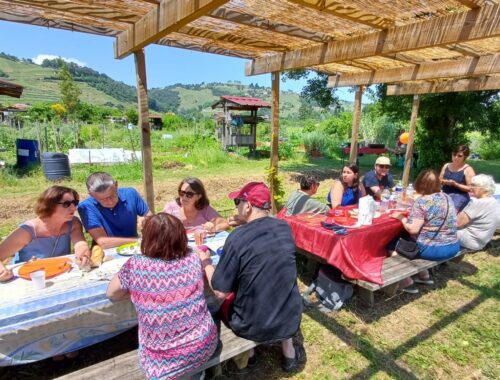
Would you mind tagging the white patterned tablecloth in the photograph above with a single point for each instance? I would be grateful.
(72, 312)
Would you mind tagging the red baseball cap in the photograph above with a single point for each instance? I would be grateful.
(256, 193)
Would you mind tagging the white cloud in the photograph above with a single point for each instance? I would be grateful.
(41, 57)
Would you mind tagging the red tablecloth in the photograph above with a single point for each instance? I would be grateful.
(367, 150)
(359, 255)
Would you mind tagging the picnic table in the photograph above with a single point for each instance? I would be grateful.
(359, 255)
(71, 313)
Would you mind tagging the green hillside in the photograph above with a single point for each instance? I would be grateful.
(193, 100)
(40, 85)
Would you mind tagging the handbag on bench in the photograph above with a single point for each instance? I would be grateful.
(407, 247)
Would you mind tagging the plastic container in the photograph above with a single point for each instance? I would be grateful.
(55, 165)
(410, 192)
(384, 200)
(27, 152)
(38, 279)
(398, 190)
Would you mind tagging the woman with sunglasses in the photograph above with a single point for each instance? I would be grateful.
(193, 208)
(456, 177)
(347, 189)
(50, 234)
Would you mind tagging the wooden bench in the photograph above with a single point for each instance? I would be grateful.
(126, 366)
(395, 269)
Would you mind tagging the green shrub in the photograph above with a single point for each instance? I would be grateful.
(315, 141)
(286, 150)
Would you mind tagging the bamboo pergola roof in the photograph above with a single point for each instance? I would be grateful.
(358, 42)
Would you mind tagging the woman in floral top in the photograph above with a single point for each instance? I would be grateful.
(165, 283)
(433, 222)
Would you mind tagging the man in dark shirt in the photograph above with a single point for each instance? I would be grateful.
(378, 179)
(258, 266)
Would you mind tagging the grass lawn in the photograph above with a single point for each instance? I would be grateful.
(450, 330)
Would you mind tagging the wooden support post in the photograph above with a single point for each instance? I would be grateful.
(356, 117)
(275, 84)
(142, 103)
(411, 138)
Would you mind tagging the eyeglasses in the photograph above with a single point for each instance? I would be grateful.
(384, 166)
(237, 201)
(67, 204)
(187, 194)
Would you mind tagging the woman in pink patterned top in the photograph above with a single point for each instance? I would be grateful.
(165, 283)
(192, 207)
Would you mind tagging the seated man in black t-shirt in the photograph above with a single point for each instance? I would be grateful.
(258, 265)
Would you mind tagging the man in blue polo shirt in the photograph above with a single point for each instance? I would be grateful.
(378, 179)
(110, 214)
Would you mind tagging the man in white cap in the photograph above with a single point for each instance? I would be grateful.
(258, 268)
(378, 179)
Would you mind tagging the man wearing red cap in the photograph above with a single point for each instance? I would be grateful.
(258, 265)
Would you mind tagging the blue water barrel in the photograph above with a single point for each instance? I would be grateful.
(55, 165)
(27, 152)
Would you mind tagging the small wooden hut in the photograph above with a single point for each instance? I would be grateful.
(235, 126)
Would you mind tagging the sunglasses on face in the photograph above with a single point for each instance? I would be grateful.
(187, 194)
(237, 201)
(384, 166)
(67, 204)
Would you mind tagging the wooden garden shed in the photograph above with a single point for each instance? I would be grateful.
(416, 46)
(237, 124)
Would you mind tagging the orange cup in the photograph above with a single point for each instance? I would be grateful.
(199, 237)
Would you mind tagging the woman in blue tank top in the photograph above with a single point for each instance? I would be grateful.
(50, 234)
(347, 189)
(456, 177)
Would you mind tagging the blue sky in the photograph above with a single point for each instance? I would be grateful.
(164, 65)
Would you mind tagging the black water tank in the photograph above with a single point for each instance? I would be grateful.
(55, 165)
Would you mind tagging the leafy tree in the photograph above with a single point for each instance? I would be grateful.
(132, 115)
(444, 120)
(315, 90)
(70, 92)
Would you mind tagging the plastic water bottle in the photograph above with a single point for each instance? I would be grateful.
(410, 191)
(398, 189)
(393, 201)
(384, 200)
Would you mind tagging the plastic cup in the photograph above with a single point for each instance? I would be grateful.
(199, 237)
(38, 279)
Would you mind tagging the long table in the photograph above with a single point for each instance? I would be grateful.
(72, 312)
(359, 254)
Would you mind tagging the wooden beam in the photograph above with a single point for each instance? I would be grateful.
(347, 12)
(411, 139)
(460, 85)
(168, 17)
(356, 118)
(488, 64)
(143, 107)
(269, 25)
(455, 28)
(275, 123)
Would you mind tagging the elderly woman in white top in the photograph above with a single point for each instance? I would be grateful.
(481, 217)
